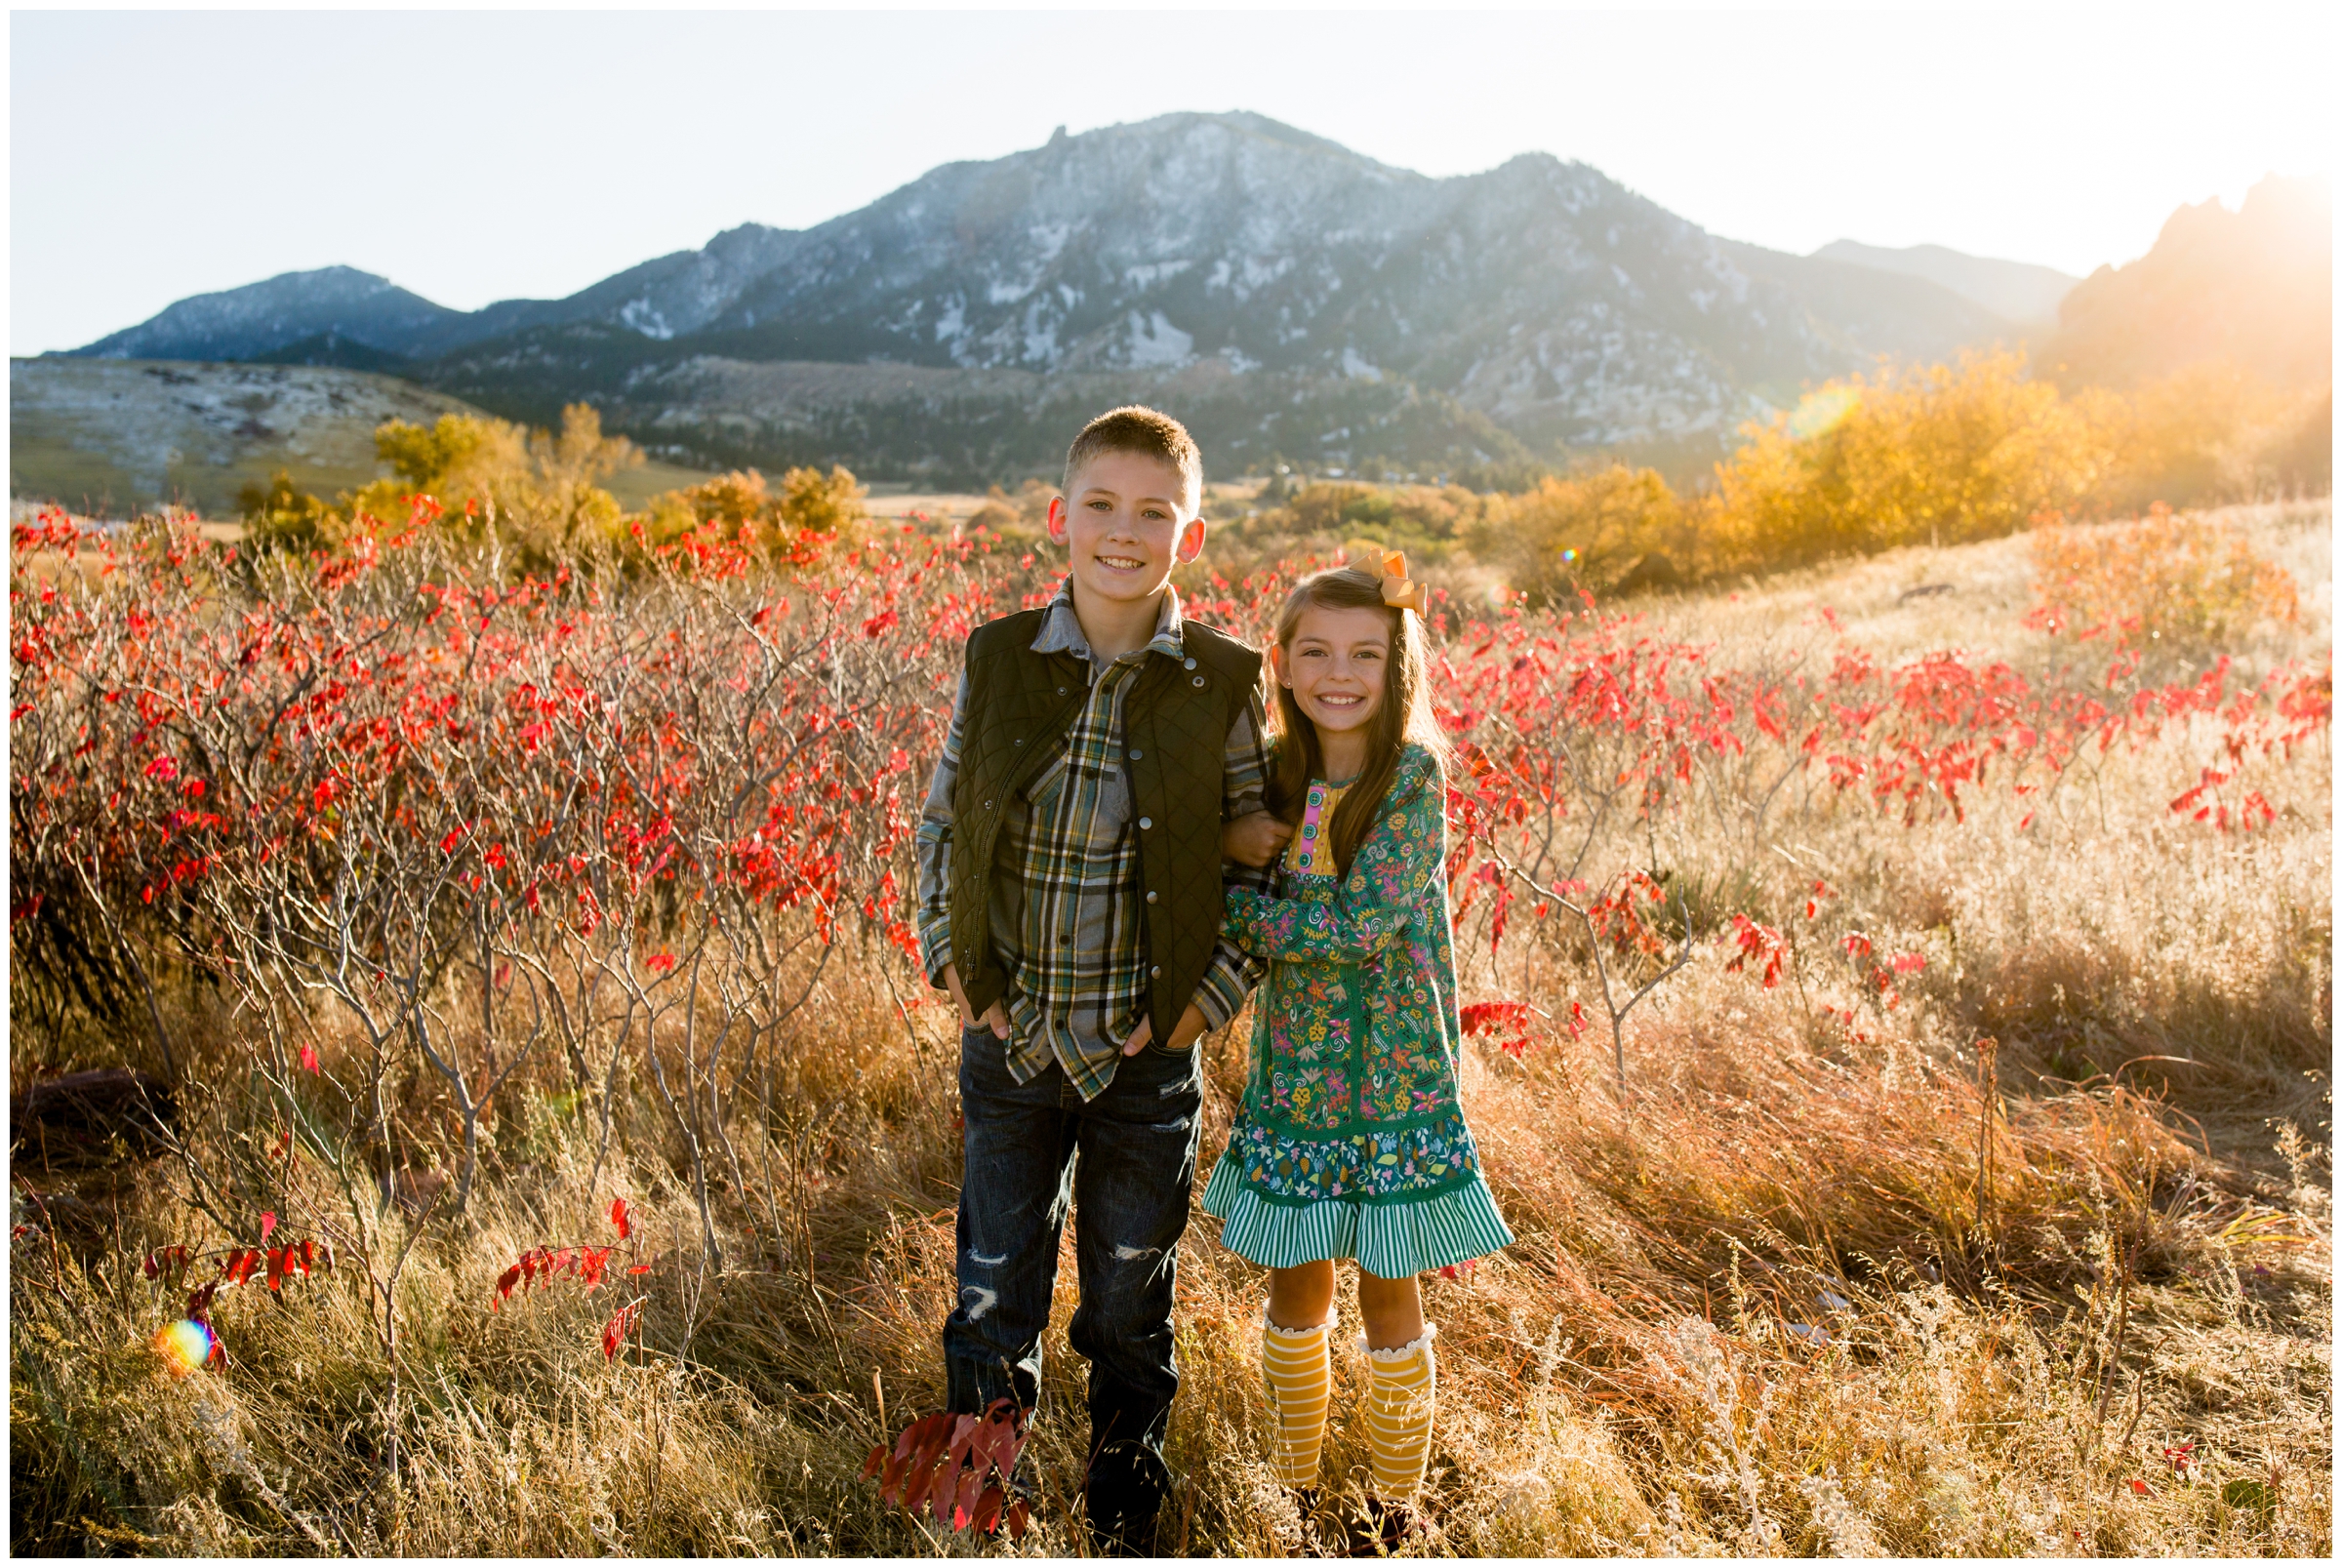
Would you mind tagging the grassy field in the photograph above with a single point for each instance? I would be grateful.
(1766, 1302)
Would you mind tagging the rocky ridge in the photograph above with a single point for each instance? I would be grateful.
(1538, 306)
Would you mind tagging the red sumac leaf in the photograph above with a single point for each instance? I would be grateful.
(922, 1476)
(963, 1432)
(963, 1508)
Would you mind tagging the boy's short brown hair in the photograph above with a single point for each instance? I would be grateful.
(1146, 431)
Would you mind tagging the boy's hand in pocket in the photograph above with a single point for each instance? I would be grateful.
(1255, 838)
(995, 1016)
(1191, 1025)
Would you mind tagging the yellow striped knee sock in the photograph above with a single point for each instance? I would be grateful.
(1399, 1415)
(1300, 1375)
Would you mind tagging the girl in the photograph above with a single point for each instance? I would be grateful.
(1350, 1142)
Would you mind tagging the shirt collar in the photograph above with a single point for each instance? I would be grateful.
(1061, 627)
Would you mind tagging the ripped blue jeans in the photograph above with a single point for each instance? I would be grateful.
(1125, 1162)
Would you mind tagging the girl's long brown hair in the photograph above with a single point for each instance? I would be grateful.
(1405, 715)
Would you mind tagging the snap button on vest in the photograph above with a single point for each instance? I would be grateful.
(1137, 755)
(1191, 664)
(1155, 972)
(1145, 821)
(1151, 895)
(1197, 679)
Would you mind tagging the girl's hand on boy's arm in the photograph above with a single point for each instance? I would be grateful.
(1255, 838)
(995, 1016)
(1395, 871)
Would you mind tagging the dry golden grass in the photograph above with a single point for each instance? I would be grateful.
(1761, 1308)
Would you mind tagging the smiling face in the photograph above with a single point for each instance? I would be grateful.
(1125, 521)
(1338, 665)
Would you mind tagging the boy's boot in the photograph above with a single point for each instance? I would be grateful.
(1125, 1488)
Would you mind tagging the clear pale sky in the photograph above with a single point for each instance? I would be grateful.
(472, 157)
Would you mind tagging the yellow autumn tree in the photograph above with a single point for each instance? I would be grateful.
(540, 491)
(818, 502)
(1593, 531)
(826, 505)
(1932, 453)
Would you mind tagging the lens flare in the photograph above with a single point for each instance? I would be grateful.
(1819, 413)
(184, 1345)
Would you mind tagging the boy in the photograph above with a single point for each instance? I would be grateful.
(1070, 900)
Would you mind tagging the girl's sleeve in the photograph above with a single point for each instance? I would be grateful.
(1388, 880)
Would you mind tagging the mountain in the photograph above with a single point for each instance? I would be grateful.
(249, 322)
(2253, 289)
(1309, 299)
(2018, 291)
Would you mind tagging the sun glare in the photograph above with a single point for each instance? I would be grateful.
(184, 1345)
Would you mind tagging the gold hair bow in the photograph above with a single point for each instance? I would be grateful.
(1399, 592)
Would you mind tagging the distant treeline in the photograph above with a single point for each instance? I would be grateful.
(1928, 454)
(1917, 454)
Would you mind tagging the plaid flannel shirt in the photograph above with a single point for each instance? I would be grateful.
(1064, 901)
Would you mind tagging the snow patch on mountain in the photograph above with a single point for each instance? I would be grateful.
(1155, 342)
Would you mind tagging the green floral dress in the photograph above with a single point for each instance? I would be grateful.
(1350, 1142)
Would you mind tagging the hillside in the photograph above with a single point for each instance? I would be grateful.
(2253, 289)
(1541, 297)
(2019, 291)
(111, 436)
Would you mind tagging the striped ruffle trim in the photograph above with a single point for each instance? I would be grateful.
(1390, 1240)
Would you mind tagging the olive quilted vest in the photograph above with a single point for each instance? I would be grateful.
(1175, 720)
